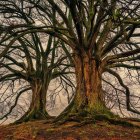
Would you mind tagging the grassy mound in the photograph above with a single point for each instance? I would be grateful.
(40, 130)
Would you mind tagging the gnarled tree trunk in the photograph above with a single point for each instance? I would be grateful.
(37, 109)
(89, 97)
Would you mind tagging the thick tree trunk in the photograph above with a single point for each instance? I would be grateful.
(37, 109)
(89, 97)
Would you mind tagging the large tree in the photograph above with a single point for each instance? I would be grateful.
(100, 34)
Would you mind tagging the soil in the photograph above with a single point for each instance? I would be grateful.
(40, 130)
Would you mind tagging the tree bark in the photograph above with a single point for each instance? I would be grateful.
(89, 97)
(37, 109)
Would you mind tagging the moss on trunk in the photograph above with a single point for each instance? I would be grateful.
(89, 98)
(34, 114)
(37, 109)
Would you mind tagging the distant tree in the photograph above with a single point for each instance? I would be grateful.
(101, 35)
(33, 61)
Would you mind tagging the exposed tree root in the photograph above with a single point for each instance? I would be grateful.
(132, 119)
(80, 120)
(33, 115)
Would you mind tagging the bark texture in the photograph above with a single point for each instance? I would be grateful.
(89, 97)
(37, 109)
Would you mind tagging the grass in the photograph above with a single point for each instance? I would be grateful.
(40, 130)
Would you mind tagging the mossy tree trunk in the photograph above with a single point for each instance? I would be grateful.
(89, 97)
(39, 81)
(37, 109)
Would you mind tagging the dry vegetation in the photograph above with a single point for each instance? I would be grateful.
(40, 130)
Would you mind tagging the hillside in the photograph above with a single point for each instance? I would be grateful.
(40, 130)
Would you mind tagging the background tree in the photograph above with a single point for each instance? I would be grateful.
(34, 58)
(100, 34)
(33, 62)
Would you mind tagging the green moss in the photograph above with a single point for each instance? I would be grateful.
(50, 130)
(111, 133)
(33, 115)
(101, 117)
(121, 122)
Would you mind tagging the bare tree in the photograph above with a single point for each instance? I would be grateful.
(35, 62)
